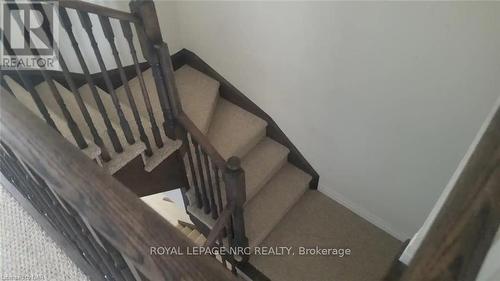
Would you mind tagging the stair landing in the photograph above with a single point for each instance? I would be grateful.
(317, 220)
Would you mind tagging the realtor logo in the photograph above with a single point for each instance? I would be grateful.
(29, 30)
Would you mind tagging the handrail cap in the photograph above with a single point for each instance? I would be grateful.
(233, 163)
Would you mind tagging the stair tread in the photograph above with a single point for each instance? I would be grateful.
(198, 95)
(92, 151)
(135, 88)
(193, 235)
(261, 163)
(159, 154)
(234, 131)
(118, 160)
(186, 230)
(273, 201)
(200, 240)
(46, 95)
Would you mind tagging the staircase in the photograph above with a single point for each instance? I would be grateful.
(240, 174)
(273, 185)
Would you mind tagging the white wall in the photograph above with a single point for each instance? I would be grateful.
(382, 98)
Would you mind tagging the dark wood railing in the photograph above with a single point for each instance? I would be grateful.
(209, 173)
(457, 242)
(126, 20)
(111, 228)
(218, 185)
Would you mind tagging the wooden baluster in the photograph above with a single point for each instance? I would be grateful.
(27, 188)
(104, 258)
(218, 187)
(78, 230)
(127, 32)
(220, 242)
(45, 206)
(234, 178)
(204, 197)
(67, 76)
(66, 23)
(83, 108)
(29, 87)
(149, 34)
(168, 72)
(73, 127)
(87, 25)
(228, 231)
(38, 101)
(210, 175)
(110, 36)
(189, 146)
(4, 84)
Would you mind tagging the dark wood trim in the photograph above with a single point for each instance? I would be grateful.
(169, 175)
(231, 93)
(462, 233)
(36, 77)
(251, 272)
(186, 224)
(79, 78)
(397, 267)
(220, 224)
(114, 75)
(202, 140)
(111, 209)
(68, 247)
(200, 226)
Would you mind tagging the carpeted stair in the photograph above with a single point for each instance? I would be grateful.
(273, 185)
(92, 151)
(275, 188)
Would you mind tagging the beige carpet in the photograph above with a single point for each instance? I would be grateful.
(316, 220)
(26, 252)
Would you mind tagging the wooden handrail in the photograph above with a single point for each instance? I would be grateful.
(220, 224)
(115, 212)
(98, 10)
(202, 140)
(458, 240)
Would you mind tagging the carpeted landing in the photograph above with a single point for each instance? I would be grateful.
(316, 220)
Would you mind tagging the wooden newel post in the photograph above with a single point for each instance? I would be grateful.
(234, 178)
(155, 51)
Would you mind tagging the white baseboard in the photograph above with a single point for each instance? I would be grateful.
(365, 214)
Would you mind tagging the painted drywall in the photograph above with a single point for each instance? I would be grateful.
(383, 98)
